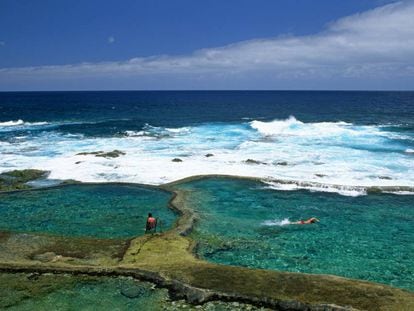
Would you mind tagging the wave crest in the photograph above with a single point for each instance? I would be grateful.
(157, 132)
(294, 127)
(20, 122)
(346, 190)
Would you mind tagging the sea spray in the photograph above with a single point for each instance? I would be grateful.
(276, 222)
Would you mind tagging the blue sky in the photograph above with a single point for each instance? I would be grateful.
(216, 44)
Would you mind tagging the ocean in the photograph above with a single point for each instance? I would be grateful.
(346, 158)
(345, 142)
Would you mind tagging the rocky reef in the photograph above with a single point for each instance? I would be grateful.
(110, 154)
(168, 260)
(17, 179)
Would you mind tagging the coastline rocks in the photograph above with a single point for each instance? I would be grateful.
(191, 294)
(111, 154)
(283, 163)
(251, 161)
(45, 257)
(209, 155)
(17, 179)
(385, 177)
(177, 160)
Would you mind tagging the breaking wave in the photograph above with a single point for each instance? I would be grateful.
(287, 154)
(346, 190)
(20, 123)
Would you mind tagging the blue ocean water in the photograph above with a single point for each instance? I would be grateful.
(318, 154)
(332, 141)
(118, 111)
(100, 211)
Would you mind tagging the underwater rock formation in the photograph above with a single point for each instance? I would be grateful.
(111, 154)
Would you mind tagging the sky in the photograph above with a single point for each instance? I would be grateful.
(212, 44)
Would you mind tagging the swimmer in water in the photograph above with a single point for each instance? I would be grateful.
(306, 222)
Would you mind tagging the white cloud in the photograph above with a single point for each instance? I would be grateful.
(111, 39)
(373, 44)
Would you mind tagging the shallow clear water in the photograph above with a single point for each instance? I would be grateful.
(64, 292)
(244, 223)
(21, 292)
(101, 211)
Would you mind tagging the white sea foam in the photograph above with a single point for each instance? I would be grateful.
(326, 156)
(12, 123)
(293, 127)
(352, 191)
(19, 123)
(276, 222)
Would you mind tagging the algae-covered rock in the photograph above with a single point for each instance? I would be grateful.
(17, 179)
(374, 190)
(45, 257)
(111, 154)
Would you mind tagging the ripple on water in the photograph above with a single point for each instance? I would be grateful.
(368, 237)
(101, 211)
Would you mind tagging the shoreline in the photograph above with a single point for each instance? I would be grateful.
(168, 259)
(301, 185)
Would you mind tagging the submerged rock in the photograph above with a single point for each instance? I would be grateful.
(111, 154)
(284, 163)
(133, 291)
(88, 153)
(385, 177)
(251, 161)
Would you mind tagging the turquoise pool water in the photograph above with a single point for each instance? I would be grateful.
(64, 292)
(23, 292)
(101, 211)
(244, 223)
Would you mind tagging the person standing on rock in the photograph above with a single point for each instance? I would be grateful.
(151, 225)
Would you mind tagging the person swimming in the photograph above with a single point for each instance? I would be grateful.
(311, 220)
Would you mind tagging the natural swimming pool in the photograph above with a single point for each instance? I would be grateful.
(85, 210)
(244, 223)
(29, 292)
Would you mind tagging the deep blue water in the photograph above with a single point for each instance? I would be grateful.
(348, 139)
(119, 111)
